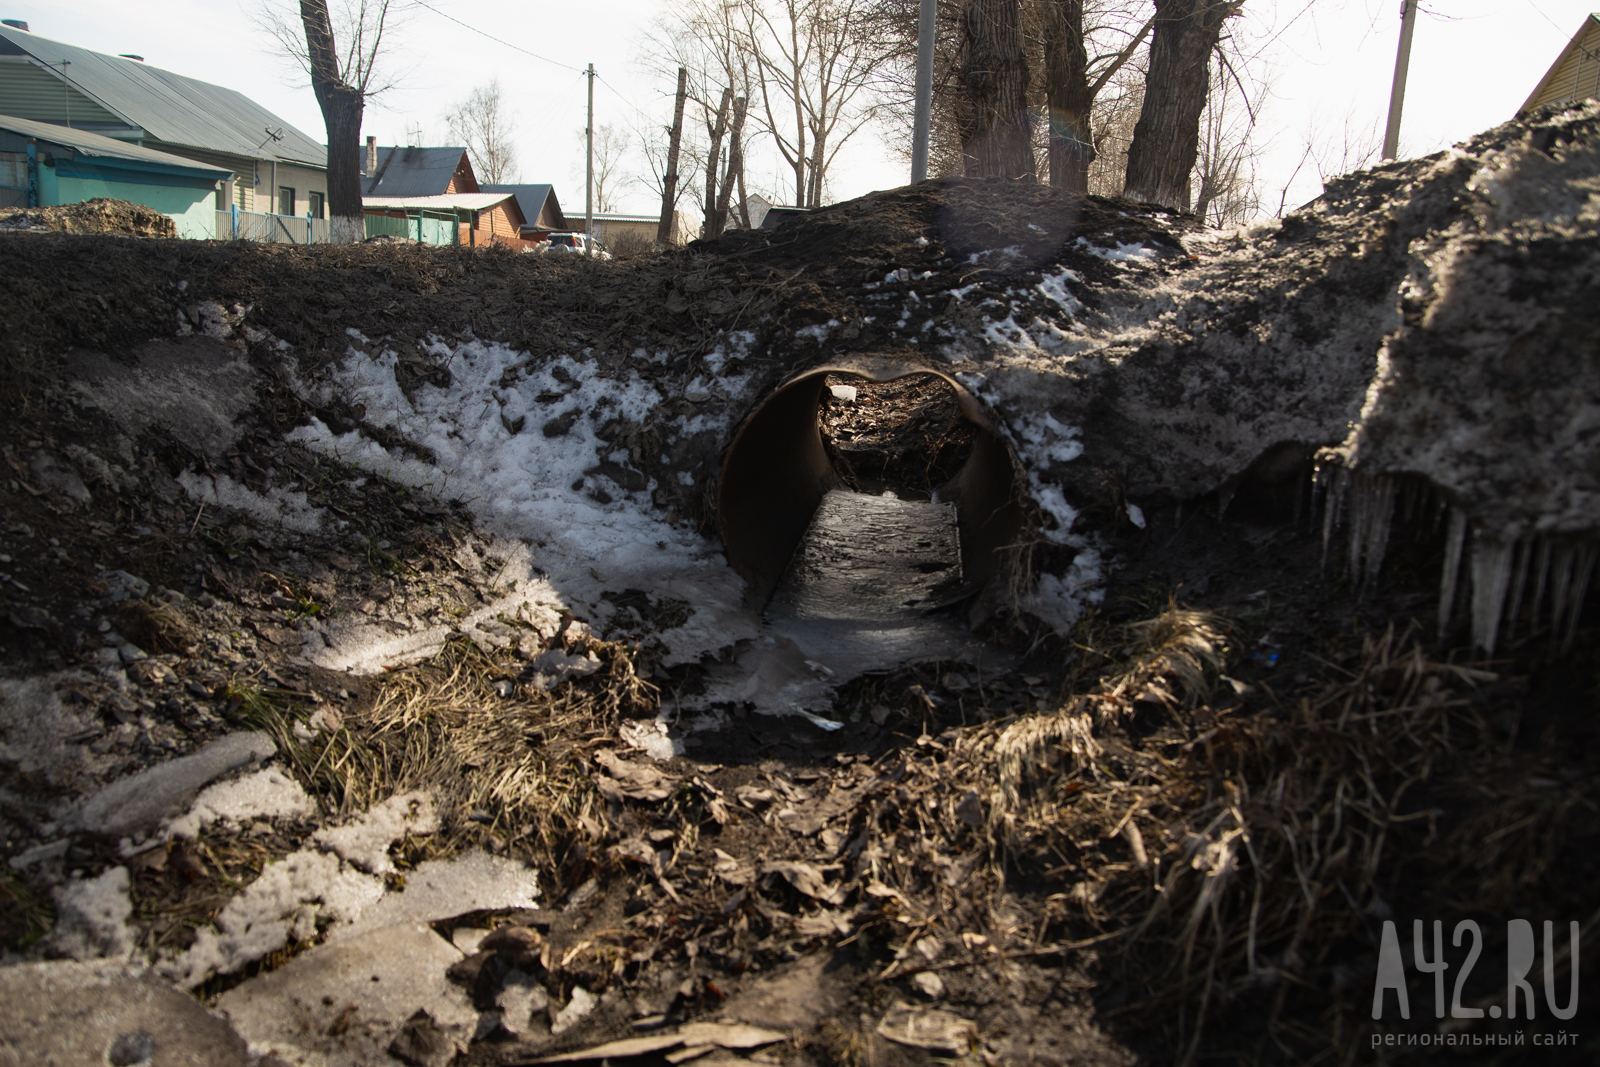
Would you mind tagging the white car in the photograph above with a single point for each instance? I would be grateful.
(571, 241)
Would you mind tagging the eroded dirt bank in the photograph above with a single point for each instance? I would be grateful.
(355, 602)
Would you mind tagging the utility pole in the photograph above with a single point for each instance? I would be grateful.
(924, 107)
(66, 91)
(669, 184)
(1397, 94)
(588, 174)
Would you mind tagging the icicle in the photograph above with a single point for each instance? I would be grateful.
(1408, 500)
(1491, 574)
(1519, 585)
(1371, 514)
(1583, 571)
(1335, 504)
(1377, 518)
(1454, 539)
(1541, 572)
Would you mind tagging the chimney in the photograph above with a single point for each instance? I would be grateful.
(16, 24)
(372, 156)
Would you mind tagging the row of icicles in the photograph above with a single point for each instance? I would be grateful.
(1552, 572)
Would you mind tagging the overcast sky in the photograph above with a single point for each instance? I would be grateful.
(1328, 65)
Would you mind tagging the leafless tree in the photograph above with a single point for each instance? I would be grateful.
(992, 106)
(806, 68)
(1166, 140)
(1073, 80)
(815, 63)
(706, 39)
(611, 145)
(1225, 187)
(482, 124)
(342, 51)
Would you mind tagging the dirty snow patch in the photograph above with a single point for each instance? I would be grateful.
(1059, 600)
(282, 509)
(365, 842)
(1123, 253)
(92, 917)
(264, 794)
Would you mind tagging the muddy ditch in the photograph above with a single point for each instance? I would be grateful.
(413, 654)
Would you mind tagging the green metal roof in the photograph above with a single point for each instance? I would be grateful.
(168, 107)
(84, 143)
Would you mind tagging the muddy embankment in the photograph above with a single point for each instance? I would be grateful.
(1132, 587)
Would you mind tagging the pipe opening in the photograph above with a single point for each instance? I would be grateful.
(856, 436)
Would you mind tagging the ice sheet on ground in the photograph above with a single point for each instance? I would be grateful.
(92, 917)
(140, 801)
(857, 597)
(290, 895)
(863, 582)
(65, 1012)
(369, 984)
(442, 889)
(264, 794)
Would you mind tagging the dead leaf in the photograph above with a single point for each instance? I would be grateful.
(632, 781)
(929, 1028)
(807, 879)
(703, 1036)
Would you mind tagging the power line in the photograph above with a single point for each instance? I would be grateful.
(496, 40)
(614, 92)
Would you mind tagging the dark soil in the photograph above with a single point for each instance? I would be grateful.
(1060, 951)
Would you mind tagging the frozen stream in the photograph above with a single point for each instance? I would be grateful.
(857, 597)
(858, 593)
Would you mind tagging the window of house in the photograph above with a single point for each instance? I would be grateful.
(285, 200)
(316, 204)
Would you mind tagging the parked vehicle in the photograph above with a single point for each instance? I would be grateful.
(571, 241)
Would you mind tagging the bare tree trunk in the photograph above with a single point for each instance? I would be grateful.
(342, 106)
(669, 192)
(992, 108)
(1166, 139)
(1068, 94)
(734, 171)
(711, 229)
(744, 201)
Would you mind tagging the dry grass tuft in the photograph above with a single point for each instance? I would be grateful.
(1236, 860)
(505, 760)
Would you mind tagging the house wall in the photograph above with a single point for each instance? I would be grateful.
(1577, 75)
(303, 180)
(499, 225)
(190, 208)
(252, 188)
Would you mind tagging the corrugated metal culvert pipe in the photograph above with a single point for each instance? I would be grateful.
(776, 471)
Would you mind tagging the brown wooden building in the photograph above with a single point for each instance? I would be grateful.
(1575, 75)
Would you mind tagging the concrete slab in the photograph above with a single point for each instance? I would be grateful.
(68, 1014)
(140, 801)
(344, 1003)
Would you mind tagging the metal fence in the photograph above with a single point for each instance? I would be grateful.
(12, 197)
(277, 229)
(424, 227)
